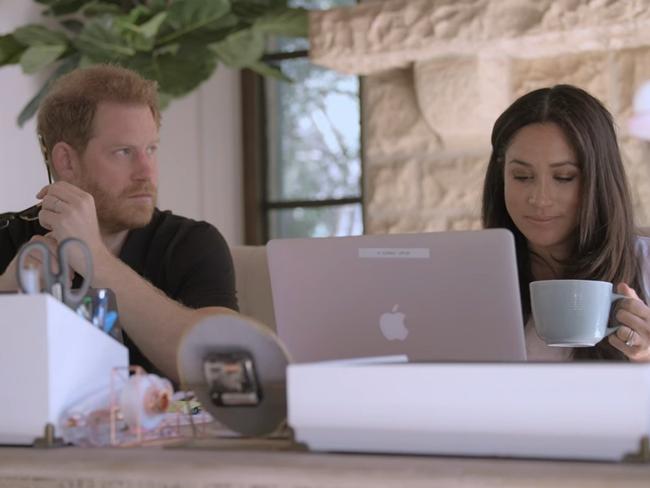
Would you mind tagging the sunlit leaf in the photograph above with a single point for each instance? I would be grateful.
(35, 58)
(100, 42)
(143, 37)
(240, 49)
(188, 16)
(150, 28)
(290, 23)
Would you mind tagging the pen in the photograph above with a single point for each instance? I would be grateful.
(30, 280)
(109, 323)
(100, 308)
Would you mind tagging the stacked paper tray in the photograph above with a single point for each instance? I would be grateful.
(598, 411)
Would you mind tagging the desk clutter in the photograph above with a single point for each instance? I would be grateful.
(59, 369)
(138, 409)
(65, 380)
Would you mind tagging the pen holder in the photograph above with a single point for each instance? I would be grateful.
(51, 358)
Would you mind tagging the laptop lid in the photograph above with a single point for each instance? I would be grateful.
(440, 296)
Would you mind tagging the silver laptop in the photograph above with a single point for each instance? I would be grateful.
(440, 296)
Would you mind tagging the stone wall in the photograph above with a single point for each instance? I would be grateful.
(437, 73)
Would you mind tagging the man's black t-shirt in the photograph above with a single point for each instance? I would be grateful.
(188, 260)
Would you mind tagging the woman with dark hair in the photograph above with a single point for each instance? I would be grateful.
(556, 180)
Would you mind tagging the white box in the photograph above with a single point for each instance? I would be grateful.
(50, 358)
(598, 411)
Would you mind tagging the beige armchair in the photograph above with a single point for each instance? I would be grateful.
(253, 283)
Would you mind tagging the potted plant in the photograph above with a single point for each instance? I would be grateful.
(178, 43)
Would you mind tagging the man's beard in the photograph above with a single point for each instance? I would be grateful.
(115, 213)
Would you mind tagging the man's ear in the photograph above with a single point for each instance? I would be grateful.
(65, 161)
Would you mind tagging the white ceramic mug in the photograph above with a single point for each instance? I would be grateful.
(572, 313)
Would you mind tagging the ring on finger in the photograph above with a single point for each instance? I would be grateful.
(630, 339)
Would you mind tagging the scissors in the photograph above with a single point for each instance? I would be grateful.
(58, 284)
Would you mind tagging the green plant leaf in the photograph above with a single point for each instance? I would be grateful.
(100, 41)
(67, 65)
(269, 70)
(180, 74)
(10, 50)
(73, 25)
(151, 27)
(35, 58)
(61, 7)
(215, 31)
(158, 5)
(178, 43)
(164, 99)
(141, 14)
(142, 37)
(177, 74)
(188, 16)
(37, 35)
(250, 10)
(171, 49)
(86, 62)
(96, 7)
(290, 22)
(240, 49)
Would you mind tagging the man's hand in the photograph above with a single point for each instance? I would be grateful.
(68, 211)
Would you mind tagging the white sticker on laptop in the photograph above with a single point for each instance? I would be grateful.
(395, 252)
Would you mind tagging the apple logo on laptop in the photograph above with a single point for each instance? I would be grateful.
(392, 325)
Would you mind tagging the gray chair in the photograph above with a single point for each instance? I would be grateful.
(253, 283)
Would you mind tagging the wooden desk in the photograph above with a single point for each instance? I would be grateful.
(256, 468)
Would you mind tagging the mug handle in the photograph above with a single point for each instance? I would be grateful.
(611, 330)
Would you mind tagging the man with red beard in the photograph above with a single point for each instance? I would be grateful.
(98, 130)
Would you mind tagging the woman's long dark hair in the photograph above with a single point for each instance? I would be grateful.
(604, 244)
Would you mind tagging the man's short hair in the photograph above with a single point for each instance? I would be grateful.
(68, 110)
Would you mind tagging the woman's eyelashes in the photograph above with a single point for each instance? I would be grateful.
(565, 179)
(522, 177)
(561, 178)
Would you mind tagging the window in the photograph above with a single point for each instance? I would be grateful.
(303, 167)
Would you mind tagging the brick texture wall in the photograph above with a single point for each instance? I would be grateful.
(437, 73)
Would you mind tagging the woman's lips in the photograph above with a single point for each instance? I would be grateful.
(540, 220)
